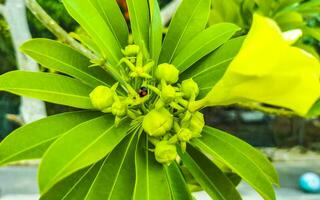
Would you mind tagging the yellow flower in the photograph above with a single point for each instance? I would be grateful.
(268, 70)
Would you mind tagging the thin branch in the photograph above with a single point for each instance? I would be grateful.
(168, 11)
(268, 110)
(57, 30)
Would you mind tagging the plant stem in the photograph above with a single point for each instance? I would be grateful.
(273, 111)
(57, 30)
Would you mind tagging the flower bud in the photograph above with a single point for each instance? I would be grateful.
(168, 93)
(185, 135)
(165, 153)
(101, 97)
(196, 124)
(119, 109)
(167, 72)
(157, 122)
(189, 88)
(131, 50)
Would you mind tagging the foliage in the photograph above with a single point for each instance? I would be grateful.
(141, 122)
(295, 14)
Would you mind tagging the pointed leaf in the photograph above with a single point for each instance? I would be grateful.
(116, 176)
(155, 30)
(47, 87)
(190, 19)
(113, 17)
(32, 140)
(62, 58)
(151, 183)
(177, 183)
(140, 20)
(80, 147)
(210, 69)
(203, 44)
(84, 12)
(243, 159)
(209, 176)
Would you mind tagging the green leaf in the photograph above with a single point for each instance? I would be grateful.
(32, 140)
(210, 69)
(177, 183)
(59, 57)
(84, 12)
(203, 44)
(140, 21)
(155, 30)
(114, 18)
(315, 110)
(239, 156)
(151, 183)
(209, 176)
(116, 176)
(80, 147)
(47, 87)
(190, 19)
(75, 186)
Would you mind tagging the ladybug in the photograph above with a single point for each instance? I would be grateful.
(143, 92)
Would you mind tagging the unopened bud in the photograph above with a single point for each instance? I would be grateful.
(157, 122)
(101, 97)
(167, 72)
(131, 50)
(165, 153)
(189, 88)
(196, 124)
(185, 135)
(168, 93)
(119, 109)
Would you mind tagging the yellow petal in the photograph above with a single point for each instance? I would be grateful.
(269, 70)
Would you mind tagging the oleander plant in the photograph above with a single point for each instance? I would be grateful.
(139, 132)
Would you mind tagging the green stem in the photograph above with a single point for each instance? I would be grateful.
(54, 27)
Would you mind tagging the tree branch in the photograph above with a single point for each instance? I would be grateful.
(57, 30)
(168, 11)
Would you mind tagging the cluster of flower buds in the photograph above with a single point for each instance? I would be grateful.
(170, 122)
(166, 117)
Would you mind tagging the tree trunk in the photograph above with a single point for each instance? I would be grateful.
(14, 12)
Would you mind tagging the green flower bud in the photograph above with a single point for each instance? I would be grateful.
(119, 109)
(185, 135)
(196, 124)
(101, 97)
(165, 153)
(167, 72)
(168, 93)
(131, 50)
(157, 122)
(189, 88)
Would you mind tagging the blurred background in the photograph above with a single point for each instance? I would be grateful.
(292, 143)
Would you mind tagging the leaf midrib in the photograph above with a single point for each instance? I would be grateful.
(184, 31)
(71, 66)
(121, 164)
(207, 178)
(234, 169)
(78, 155)
(199, 48)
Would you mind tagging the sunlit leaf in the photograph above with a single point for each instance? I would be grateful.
(32, 140)
(80, 147)
(62, 58)
(190, 19)
(238, 156)
(48, 87)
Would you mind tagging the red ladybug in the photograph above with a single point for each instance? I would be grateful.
(143, 92)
